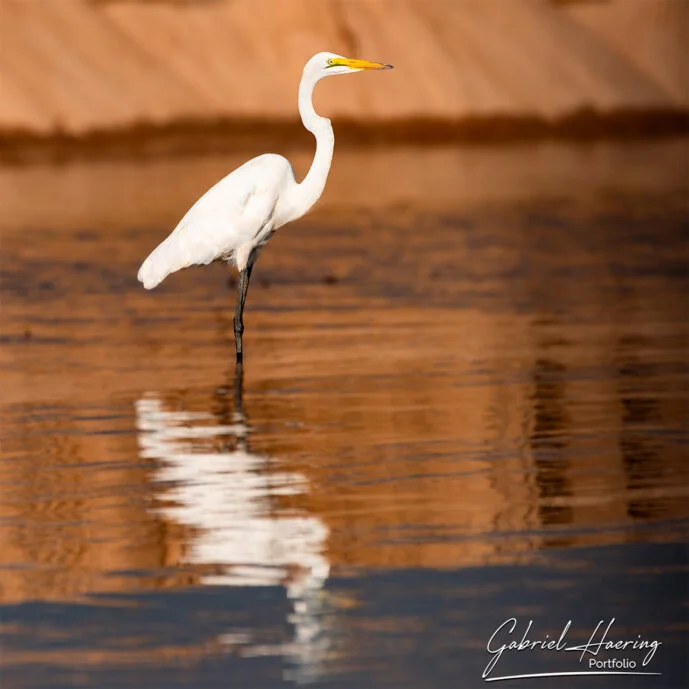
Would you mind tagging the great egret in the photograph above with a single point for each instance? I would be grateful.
(237, 216)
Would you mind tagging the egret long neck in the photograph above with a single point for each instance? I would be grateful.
(311, 187)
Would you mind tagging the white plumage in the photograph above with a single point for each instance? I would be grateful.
(232, 218)
(237, 216)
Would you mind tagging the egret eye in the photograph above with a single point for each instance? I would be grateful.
(330, 61)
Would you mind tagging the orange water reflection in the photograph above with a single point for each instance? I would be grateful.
(425, 389)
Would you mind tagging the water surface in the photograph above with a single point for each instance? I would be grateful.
(464, 401)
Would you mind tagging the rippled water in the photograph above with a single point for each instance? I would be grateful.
(464, 401)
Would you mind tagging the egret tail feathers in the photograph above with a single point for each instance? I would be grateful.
(165, 259)
(179, 250)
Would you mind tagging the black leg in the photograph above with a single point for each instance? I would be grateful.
(242, 289)
(238, 393)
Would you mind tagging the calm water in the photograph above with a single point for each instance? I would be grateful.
(465, 400)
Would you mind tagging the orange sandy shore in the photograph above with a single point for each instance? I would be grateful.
(85, 71)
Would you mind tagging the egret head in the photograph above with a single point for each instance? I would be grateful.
(328, 64)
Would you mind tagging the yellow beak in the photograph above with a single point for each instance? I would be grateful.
(358, 64)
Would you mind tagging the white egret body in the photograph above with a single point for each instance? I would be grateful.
(237, 216)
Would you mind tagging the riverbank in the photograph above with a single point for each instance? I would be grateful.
(108, 77)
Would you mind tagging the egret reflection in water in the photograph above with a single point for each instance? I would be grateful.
(228, 497)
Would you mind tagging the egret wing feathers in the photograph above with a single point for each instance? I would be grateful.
(232, 218)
